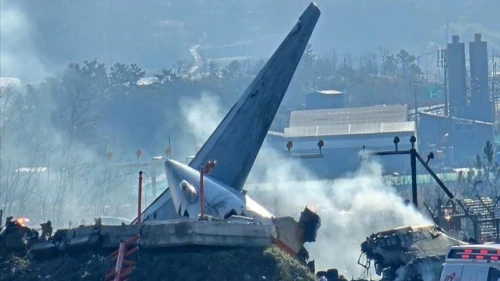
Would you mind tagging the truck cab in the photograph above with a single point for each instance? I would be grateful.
(472, 263)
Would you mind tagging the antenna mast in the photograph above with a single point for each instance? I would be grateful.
(493, 95)
(442, 62)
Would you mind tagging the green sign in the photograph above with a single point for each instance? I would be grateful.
(434, 92)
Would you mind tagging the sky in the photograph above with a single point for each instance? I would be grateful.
(40, 37)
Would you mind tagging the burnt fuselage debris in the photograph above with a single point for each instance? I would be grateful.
(311, 222)
(405, 253)
(413, 249)
(15, 237)
(330, 275)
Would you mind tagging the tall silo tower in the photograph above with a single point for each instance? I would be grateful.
(457, 77)
(480, 101)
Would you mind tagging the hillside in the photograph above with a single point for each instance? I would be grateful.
(194, 265)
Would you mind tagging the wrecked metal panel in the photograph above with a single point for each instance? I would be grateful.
(409, 248)
(310, 222)
(290, 233)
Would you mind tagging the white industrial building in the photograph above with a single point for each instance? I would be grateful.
(344, 132)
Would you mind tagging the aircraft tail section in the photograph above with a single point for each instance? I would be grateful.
(238, 138)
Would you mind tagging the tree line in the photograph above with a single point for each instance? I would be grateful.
(55, 134)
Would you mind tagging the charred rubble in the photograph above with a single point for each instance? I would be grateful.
(80, 254)
(407, 252)
(58, 258)
(331, 275)
(17, 238)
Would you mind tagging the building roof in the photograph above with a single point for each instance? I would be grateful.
(328, 92)
(456, 120)
(346, 116)
(350, 129)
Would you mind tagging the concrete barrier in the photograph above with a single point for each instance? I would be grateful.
(183, 233)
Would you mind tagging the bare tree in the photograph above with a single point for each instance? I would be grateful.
(75, 119)
(22, 156)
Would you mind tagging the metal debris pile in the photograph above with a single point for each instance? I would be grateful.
(331, 275)
(78, 254)
(407, 252)
(15, 236)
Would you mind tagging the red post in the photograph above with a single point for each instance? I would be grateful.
(204, 170)
(119, 259)
(202, 193)
(139, 200)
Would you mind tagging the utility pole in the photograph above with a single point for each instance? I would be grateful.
(442, 62)
(139, 199)
(415, 105)
(416, 84)
(413, 164)
(444, 55)
(493, 96)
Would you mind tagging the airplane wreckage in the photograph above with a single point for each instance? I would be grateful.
(408, 253)
(205, 203)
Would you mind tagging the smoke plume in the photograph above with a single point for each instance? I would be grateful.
(351, 208)
(18, 55)
(202, 115)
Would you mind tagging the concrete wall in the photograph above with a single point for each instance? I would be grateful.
(189, 232)
(281, 120)
(432, 128)
(467, 137)
(318, 100)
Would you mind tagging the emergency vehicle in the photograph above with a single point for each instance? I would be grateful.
(472, 263)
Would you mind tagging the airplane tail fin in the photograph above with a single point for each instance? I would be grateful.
(238, 138)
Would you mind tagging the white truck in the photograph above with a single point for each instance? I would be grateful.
(472, 263)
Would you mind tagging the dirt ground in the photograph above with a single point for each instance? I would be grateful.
(196, 264)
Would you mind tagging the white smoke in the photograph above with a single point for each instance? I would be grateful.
(202, 115)
(351, 208)
(18, 55)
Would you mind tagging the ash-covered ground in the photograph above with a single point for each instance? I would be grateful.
(194, 264)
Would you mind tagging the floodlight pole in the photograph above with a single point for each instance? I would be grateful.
(413, 159)
(139, 199)
(202, 193)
